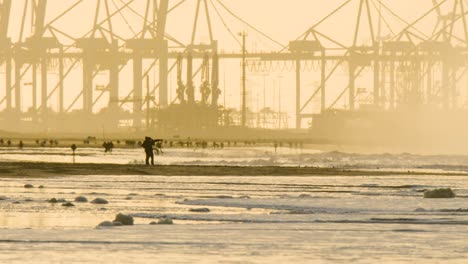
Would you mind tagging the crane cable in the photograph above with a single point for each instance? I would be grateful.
(383, 18)
(249, 25)
(225, 25)
(123, 17)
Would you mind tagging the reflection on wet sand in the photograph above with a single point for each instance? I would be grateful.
(301, 214)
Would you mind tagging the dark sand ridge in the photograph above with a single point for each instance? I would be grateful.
(42, 169)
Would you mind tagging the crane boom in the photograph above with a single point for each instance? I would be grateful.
(5, 9)
(436, 4)
(162, 15)
(40, 18)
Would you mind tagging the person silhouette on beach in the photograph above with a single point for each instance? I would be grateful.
(111, 146)
(159, 147)
(108, 146)
(73, 147)
(148, 146)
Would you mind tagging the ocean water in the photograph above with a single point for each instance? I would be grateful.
(261, 219)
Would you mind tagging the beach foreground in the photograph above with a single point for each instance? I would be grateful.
(315, 216)
(236, 243)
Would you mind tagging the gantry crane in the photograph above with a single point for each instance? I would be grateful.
(401, 70)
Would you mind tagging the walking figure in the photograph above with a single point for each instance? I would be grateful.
(148, 146)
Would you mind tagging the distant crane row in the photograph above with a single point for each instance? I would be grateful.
(407, 69)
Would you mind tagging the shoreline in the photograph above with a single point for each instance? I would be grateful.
(46, 169)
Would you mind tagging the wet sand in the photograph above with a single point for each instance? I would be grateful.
(257, 219)
(45, 169)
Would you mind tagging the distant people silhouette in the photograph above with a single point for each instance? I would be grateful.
(20, 145)
(73, 147)
(148, 146)
(159, 147)
(108, 146)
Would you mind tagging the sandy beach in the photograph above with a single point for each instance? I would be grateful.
(43, 169)
(245, 219)
(235, 205)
